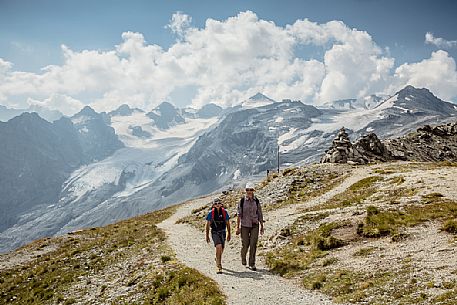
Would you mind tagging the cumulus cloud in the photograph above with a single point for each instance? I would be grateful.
(63, 103)
(225, 62)
(440, 42)
(437, 73)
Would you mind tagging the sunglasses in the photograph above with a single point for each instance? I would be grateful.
(249, 190)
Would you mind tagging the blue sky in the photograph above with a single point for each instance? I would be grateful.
(32, 32)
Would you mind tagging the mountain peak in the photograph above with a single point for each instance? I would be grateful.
(413, 91)
(87, 110)
(259, 97)
(122, 110)
(166, 106)
(28, 116)
(257, 100)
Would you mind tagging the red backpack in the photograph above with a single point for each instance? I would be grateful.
(224, 213)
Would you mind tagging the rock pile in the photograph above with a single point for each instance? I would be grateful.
(342, 151)
(437, 143)
(371, 149)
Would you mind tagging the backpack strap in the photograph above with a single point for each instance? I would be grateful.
(224, 213)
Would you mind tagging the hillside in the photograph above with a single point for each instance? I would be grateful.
(335, 233)
(124, 263)
(371, 234)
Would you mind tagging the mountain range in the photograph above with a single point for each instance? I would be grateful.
(99, 168)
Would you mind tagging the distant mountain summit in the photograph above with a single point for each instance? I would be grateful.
(208, 111)
(257, 100)
(98, 140)
(421, 101)
(165, 116)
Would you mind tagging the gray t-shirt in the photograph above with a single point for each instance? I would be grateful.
(250, 216)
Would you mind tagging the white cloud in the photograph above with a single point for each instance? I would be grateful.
(63, 103)
(226, 61)
(437, 73)
(179, 23)
(5, 66)
(440, 42)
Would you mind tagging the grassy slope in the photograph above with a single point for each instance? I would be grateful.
(127, 262)
(326, 243)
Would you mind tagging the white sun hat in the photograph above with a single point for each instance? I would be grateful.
(250, 185)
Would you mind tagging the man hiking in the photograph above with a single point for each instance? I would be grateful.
(250, 217)
(218, 220)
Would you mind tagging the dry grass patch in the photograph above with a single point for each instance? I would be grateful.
(355, 194)
(304, 249)
(133, 251)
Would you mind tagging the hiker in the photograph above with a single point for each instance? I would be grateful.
(250, 217)
(218, 220)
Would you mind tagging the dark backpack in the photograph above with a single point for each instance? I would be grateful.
(215, 223)
(257, 202)
(224, 213)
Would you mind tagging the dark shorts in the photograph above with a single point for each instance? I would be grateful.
(218, 237)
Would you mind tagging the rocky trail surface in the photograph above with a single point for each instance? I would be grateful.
(241, 285)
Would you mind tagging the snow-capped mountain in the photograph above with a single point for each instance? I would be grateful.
(257, 100)
(97, 139)
(37, 157)
(98, 193)
(165, 116)
(244, 142)
(124, 110)
(172, 154)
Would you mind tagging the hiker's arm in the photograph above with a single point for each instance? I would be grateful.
(261, 221)
(207, 231)
(238, 220)
(229, 234)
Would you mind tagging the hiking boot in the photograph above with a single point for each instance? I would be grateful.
(253, 268)
(219, 270)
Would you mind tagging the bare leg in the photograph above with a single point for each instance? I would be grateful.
(219, 251)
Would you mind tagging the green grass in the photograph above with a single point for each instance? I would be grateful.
(379, 223)
(184, 286)
(450, 226)
(304, 249)
(88, 253)
(355, 194)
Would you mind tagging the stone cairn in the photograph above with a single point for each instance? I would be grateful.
(342, 151)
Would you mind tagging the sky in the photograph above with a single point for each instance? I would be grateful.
(64, 54)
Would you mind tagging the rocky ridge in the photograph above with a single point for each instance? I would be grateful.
(427, 143)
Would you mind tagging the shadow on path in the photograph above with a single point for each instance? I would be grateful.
(255, 275)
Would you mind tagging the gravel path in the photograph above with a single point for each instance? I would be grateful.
(241, 285)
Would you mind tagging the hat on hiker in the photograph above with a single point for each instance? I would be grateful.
(216, 201)
(250, 186)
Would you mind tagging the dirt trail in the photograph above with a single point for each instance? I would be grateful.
(241, 285)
